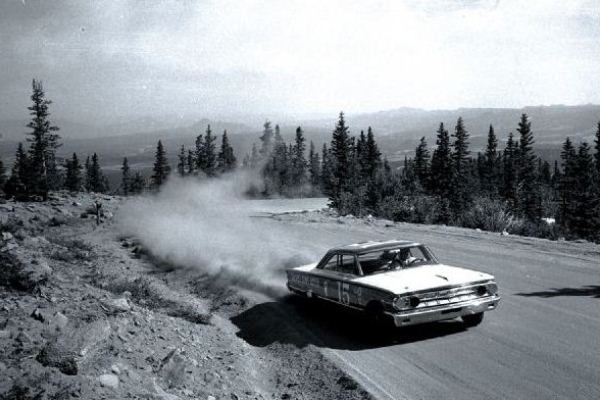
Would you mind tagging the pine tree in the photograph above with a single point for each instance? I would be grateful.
(597, 153)
(490, 171)
(254, 157)
(73, 180)
(441, 164)
(314, 167)
(226, 159)
(125, 178)
(361, 157)
(88, 174)
(326, 170)
(138, 183)
(568, 186)
(585, 218)
(544, 174)
(266, 140)
(161, 167)
(340, 151)
(460, 190)
(529, 199)
(372, 155)
(19, 177)
(181, 161)
(421, 163)
(298, 160)
(199, 154)
(409, 177)
(44, 142)
(209, 153)
(191, 164)
(509, 174)
(97, 182)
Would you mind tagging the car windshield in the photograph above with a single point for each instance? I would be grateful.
(396, 258)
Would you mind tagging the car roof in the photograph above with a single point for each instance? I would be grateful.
(365, 247)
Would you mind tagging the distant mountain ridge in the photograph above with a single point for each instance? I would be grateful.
(397, 131)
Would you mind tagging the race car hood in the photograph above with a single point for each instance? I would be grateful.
(422, 278)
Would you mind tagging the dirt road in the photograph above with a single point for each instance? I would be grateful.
(543, 341)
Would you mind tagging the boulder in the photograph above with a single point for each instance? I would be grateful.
(117, 305)
(109, 380)
(6, 236)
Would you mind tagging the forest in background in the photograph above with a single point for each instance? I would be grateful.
(509, 190)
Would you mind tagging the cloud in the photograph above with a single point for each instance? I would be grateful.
(297, 56)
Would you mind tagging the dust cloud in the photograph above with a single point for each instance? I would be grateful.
(209, 225)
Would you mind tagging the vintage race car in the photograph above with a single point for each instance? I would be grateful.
(397, 281)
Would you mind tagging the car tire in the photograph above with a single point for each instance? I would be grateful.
(377, 317)
(472, 319)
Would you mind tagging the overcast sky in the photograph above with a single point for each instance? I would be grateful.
(100, 59)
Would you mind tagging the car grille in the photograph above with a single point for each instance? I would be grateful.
(450, 296)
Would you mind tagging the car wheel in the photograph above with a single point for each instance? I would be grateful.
(377, 317)
(473, 319)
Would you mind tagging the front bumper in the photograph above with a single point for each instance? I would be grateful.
(440, 313)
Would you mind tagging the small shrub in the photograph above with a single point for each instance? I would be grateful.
(486, 214)
(415, 209)
(11, 224)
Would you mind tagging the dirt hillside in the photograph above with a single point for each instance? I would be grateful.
(86, 313)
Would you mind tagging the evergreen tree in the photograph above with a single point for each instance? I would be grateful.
(314, 167)
(460, 193)
(181, 161)
(361, 157)
(226, 158)
(555, 175)
(209, 153)
(421, 163)
(199, 154)
(97, 182)
(19, 177)
(585, 218)
(409, 178)
(125, 178)
(44, 142)
(298, 161)
(138, 183)
(340, 152)
(509, 174)
(597, 153)
(88, 174)
(190, 162)
(73, 179)
(161, 167)
(441, 164)
(254, 157)
(529, 199)
(568, 186)
(326, 170)
(372, 155)
(544, 174)
(490, 171)
(266, 140)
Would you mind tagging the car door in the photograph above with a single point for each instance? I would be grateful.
(335, 276)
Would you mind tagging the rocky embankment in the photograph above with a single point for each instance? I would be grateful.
(87, 313)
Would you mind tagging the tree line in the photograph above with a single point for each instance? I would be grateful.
(497, 189)
(508, 189)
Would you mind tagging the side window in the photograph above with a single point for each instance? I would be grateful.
(341, 263)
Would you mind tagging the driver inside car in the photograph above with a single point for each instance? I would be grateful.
(405, 257)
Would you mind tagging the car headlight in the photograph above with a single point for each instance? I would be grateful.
(492, 288)
(406, 303)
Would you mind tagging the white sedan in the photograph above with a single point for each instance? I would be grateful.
(399, 281)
